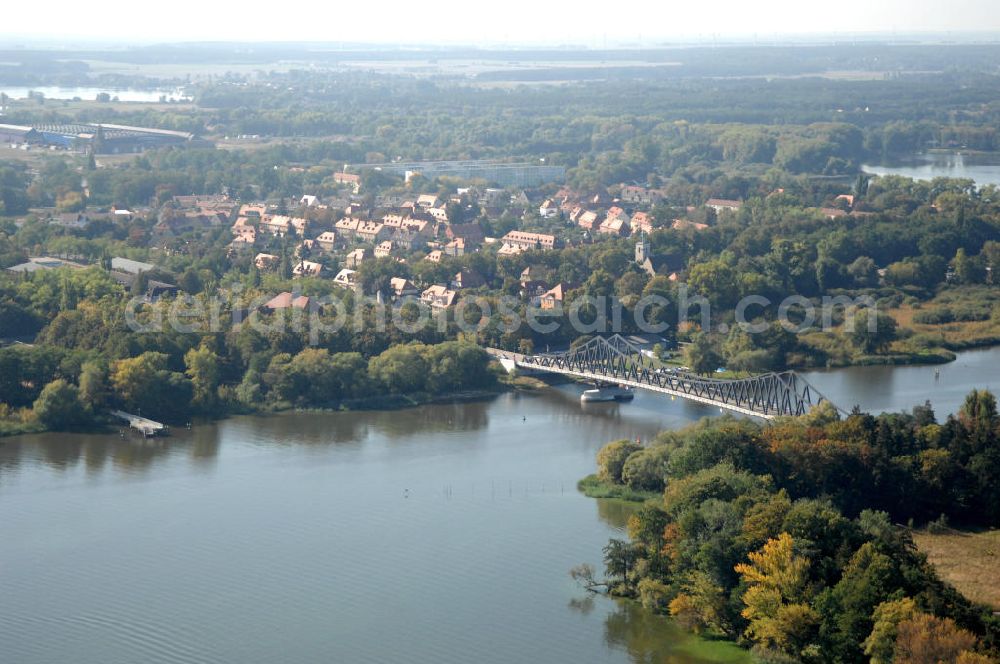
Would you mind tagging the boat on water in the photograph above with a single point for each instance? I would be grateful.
(603, 394)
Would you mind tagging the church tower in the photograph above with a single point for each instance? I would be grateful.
(643, 252)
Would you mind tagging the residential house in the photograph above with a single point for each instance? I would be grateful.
(278, 225)
(394, 220)
(434, 256)
(428, 201)
(440, 214)
(422, 227)
(614, 226)
(637, 195)
(347, 278)
(327, 240)
(616, 212)
(309, 201)
(681, 224)
(356, 257)
(407, 240)
(439, 297)
(402, 288)
(257, 210)
(305, 248)
(723, 205)
(472, 233)
(347, 227)
(535, 280)
(350, 179)
(548, 209)
(288, 300)
(526, 240)
(467, 279)
(384, 249)
(245, 238)
(641, 222)
(553, 298)
(832, 213)
(587, 220)
(455, 248)
(372, 231)
(510, 249)
(264, 261)
(307, 269)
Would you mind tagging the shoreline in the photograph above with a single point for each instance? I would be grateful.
(381, 402)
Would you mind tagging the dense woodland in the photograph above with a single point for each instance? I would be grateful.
(785, 536)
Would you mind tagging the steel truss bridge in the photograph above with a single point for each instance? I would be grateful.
(614, 360)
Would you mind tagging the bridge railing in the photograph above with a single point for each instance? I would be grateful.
(615, 359)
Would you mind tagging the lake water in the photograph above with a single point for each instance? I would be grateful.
(90, 94)
(435, 534)
(983, 168)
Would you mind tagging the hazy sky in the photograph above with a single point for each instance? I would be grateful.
(589, 22)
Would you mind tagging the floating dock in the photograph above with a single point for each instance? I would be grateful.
(143, 425)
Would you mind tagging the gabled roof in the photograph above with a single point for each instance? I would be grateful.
(287, 300)
(557, 292)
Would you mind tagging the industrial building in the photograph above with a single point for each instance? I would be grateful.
(99, 138)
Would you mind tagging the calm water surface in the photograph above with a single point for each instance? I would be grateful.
(90, 94)
(983, 168)
(436, 534)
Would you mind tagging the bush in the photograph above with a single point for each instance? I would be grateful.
(938, 316)
(612, 457)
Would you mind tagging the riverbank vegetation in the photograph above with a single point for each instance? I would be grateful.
(51, 387)
(785, 538)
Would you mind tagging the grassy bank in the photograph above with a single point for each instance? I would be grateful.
(970, 561)
(592, 487)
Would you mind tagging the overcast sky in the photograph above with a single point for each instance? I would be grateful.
(588, 22)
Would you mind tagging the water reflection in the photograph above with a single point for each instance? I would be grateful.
(983, 168)
(615, 513)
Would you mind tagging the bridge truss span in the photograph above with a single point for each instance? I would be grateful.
(617, 361)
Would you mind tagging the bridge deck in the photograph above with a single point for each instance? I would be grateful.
(616, 361)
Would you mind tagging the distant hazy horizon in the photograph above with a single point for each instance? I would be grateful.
(70, 41)
(515, 23)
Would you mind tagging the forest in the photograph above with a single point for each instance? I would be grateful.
(795, 538)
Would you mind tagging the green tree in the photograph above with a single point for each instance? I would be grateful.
(203, 369)
(144, 383)
(94, 388)
(872, 331)
(885, 623)
(776, 598)
(701, 354)
(58, 407)
(612, 457)
(400, 369)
